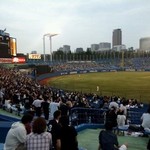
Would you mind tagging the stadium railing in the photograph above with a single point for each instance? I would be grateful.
(86, 115)
(134, 117)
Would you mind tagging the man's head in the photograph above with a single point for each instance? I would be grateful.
(27, 118)
(57, 114)
(64, 120)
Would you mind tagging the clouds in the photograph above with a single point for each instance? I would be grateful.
(80, 23)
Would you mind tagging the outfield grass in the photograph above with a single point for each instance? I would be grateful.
(127, 84)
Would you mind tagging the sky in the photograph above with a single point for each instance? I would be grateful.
(78, 23)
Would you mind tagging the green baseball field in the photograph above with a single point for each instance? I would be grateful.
(134, 85)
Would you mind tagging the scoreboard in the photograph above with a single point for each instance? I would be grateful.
(4, 46)
(8, 46)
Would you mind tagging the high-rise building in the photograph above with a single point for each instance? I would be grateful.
(117, 37)
(145, 44)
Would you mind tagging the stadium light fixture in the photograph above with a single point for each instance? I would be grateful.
(50, 35)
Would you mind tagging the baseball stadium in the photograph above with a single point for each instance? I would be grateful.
(93, 90)
(89, 87)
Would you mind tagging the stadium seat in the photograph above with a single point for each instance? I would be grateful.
(123, 128)
(4, 128)
(1, 146)
(135, 117)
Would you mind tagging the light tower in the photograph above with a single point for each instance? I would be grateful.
(50, 35)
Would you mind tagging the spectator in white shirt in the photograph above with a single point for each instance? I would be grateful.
(146, 119)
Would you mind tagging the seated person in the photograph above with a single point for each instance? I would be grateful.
(146, 120)
(108, 140)
(121, 118)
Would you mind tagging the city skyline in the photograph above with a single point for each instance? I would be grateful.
(79, 23)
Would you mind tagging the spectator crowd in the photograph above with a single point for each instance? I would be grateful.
(20, 93)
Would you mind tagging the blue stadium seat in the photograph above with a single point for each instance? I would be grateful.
(1, 146)
(135, 117)
(4, 127)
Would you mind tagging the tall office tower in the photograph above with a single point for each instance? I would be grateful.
(117, 37)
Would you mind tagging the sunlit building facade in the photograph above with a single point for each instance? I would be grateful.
(145, 44)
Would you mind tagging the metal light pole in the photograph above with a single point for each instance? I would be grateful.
(50, 35)
(50, 39)
(44, 46)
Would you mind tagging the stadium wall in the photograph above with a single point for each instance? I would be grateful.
(61, 73)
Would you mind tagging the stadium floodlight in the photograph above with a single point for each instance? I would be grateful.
(4, 30)
(44, 46)
(50, 35)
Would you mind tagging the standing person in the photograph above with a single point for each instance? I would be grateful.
(111, 116)
(45, 107)
(53, 107)
(54, 128)
(39, 139)
(108, 140)
(37, 106)
(68, 135)
(64, 108)
(148, 145)
(17, 134)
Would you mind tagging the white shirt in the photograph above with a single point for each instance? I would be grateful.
(145, 120)
(53, 107)
(37, 103)
(124, 109)
(121, 120)
(15, 136)
(113, 104)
